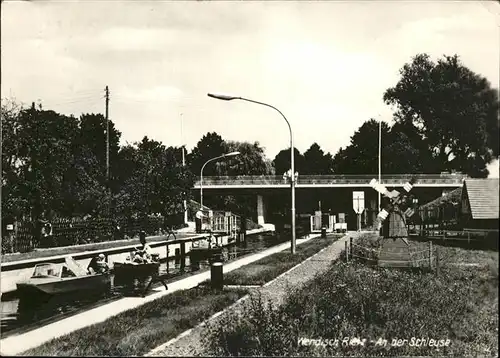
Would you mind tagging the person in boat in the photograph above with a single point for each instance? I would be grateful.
(97, 265)
(143, 253)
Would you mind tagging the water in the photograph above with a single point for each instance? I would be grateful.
(22, 314)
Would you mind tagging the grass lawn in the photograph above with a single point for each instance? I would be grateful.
(457, 308)
(138, 331)
(267, 268)
(80, 248)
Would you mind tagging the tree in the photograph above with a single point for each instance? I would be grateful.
(250, 161)
(93, 137)
(316, 161)
(401, 152)
(45, 144)
(209, 146)
(454, 109)
(158, 182)
(13, 204)
(282, 163)
(361, 156)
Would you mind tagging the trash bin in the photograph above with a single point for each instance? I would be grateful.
(217, 275)
(323, 232)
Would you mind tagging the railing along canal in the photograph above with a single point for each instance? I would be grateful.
(364, 179)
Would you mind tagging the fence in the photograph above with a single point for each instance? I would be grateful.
(27, 236)
(230, 223)
(391, 179)
(372, 255)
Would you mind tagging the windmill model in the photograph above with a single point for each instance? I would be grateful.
(397, 207)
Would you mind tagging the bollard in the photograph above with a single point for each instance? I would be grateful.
(323, 232)
(346, 252)
(350, 245)
(217, 276)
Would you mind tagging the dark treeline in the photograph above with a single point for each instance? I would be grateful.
(54, 165)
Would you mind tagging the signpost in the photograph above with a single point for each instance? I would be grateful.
(358, 204)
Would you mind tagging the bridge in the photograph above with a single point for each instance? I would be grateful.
(330, 192)
(328, 181)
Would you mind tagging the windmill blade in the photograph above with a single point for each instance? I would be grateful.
(409, 185)
(392, 194)
(378, 187)
(382, 215)
(409, 212)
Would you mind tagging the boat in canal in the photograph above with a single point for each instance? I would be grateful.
(131, 269)
(53, 279)
(207, 250)
(134, 269)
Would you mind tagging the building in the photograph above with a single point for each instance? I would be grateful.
(479, 209)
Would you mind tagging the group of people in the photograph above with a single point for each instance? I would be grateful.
(142, 254)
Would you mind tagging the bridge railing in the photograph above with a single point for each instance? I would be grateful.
(393, 179)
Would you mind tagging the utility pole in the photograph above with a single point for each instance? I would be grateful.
(183, 164)
(379, 162)
(107, 134)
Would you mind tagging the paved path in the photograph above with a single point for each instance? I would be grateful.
(17, 344)
(275, 291)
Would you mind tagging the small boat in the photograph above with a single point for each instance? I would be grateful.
(52, 279)
(207, 251)
(134, 269)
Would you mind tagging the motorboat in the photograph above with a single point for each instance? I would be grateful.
(52, 279)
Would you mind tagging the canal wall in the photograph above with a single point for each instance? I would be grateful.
(19, 271)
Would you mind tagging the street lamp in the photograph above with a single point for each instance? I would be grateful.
(226, 97)
(201, 173)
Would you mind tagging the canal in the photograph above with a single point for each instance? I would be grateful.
(19, 315)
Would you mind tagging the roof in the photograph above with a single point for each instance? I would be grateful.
(194, 205)
(483, 197)
(452, 197)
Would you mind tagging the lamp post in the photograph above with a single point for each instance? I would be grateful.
(203, 167)
(226, 97)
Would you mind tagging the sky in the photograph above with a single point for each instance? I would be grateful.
(324, 64)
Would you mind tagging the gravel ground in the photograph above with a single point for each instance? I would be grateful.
(191, 344)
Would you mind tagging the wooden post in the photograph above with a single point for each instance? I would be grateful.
(350, 245)
(183, 255)
(430, 254)
(177, 256)
(346, 252)
(167, 256)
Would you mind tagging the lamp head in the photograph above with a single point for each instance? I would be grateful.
(231, 154)
(224, 97)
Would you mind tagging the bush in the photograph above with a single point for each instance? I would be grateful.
(260, 329)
